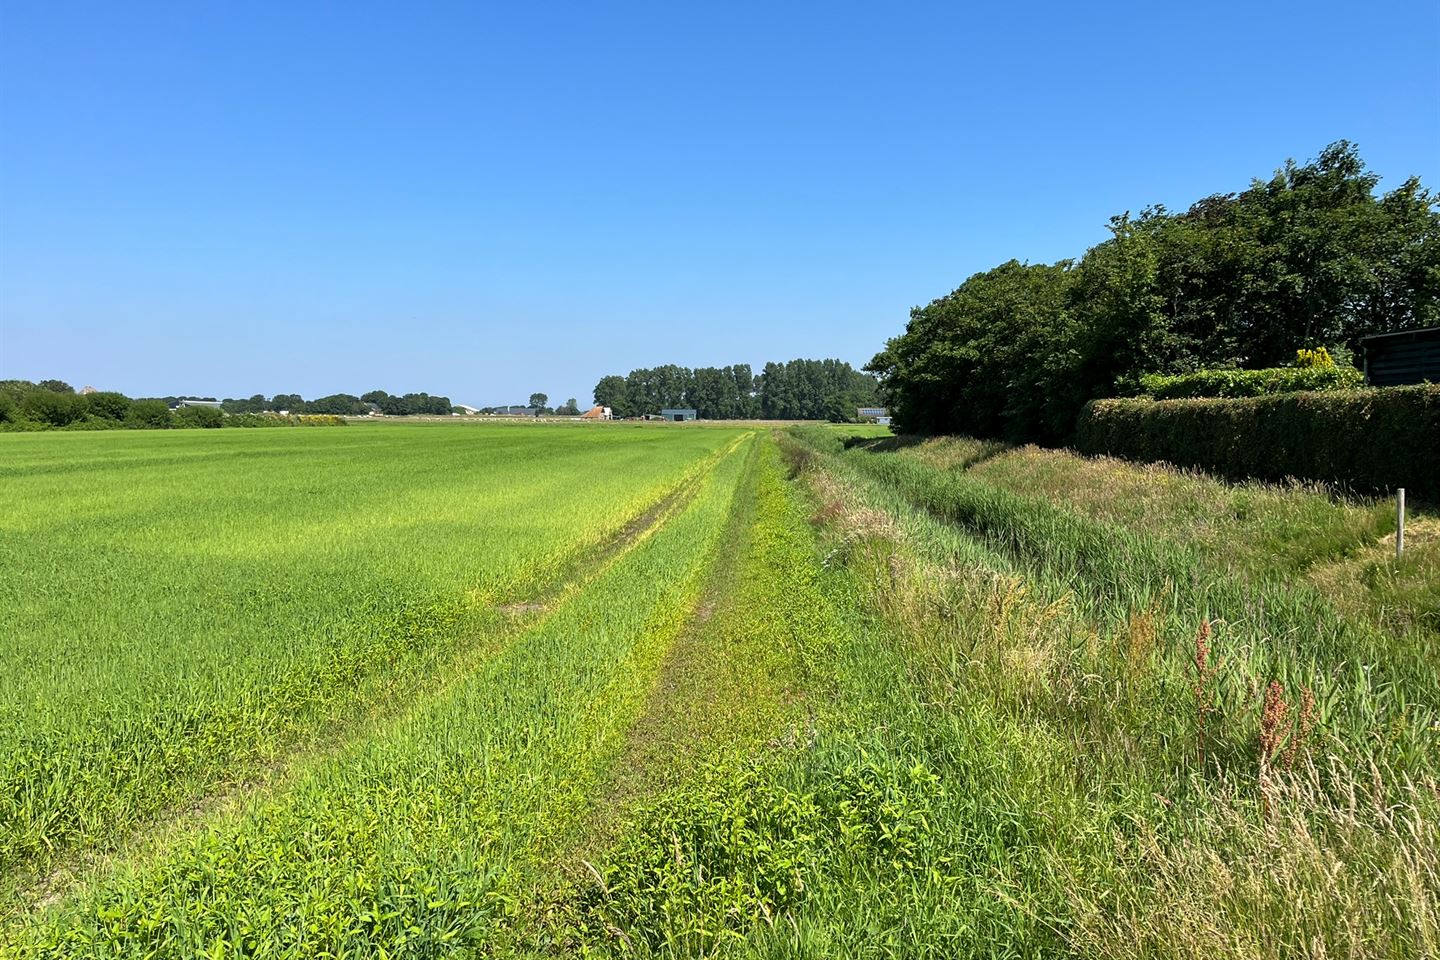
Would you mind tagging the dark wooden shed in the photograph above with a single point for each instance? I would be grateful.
(1410, 356)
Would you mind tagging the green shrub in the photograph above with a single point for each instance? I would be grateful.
(23, 426)
(107, 404)
(256, 420)
(1319, 357)
(93, 423)
(207, 417)
(49, 406)
(1373, 439)
(1252, 383)
(149, 415)
(318, 420)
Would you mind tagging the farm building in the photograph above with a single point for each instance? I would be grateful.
(1395, 359)
(678, 414)
(872, 413)
(212, 404)
(598, 413)
(465, 408)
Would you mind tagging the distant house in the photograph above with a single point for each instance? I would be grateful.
(211, 404)
(677, 414)
(598, 413)
(466, 409)
(1409, 356)
(872, 413)
(517, 411)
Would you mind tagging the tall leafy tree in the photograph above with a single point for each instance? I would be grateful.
(613, 392)
(1310, 256)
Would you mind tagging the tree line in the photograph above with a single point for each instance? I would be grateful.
(1310, 256)
(538, 406)
(55, 405)
(342, 404)
(797, 390)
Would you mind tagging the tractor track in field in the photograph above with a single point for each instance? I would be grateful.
(706, 702)
(38, 889)
(684, 691)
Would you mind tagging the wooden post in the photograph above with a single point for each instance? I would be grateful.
(1399, 522)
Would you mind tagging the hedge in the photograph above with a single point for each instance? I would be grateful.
(1366, 440)
(1250, 383)
(143, 416)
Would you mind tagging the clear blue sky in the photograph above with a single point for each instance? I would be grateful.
(488, 199)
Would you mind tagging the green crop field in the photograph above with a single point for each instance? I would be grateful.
(467, 690)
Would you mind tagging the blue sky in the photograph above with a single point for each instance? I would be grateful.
(483, 200)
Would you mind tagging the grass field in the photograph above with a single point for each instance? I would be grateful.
(411, 690)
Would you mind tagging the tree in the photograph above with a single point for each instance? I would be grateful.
(813, 390)
(800, 389)
(55, 386)
(107, 404)
(708, 394)
(52, 407)
(742, 391)
(255, 404)
(987, 358)
(339, 404)
(1309, 257)
(148, 414)
(206, 417)
(612, 392)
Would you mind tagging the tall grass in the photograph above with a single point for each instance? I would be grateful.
(1043, 739)
(1272, 626)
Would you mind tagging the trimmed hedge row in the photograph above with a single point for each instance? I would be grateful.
(165, 419)
(1367, 440)
(1250, 383)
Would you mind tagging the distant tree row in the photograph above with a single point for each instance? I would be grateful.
(54, 405)
(343, 404)
(797, 390)
(1310, 257)
(538, 406)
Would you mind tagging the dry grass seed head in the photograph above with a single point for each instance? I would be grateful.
(1141, 632)
(1273, 716)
